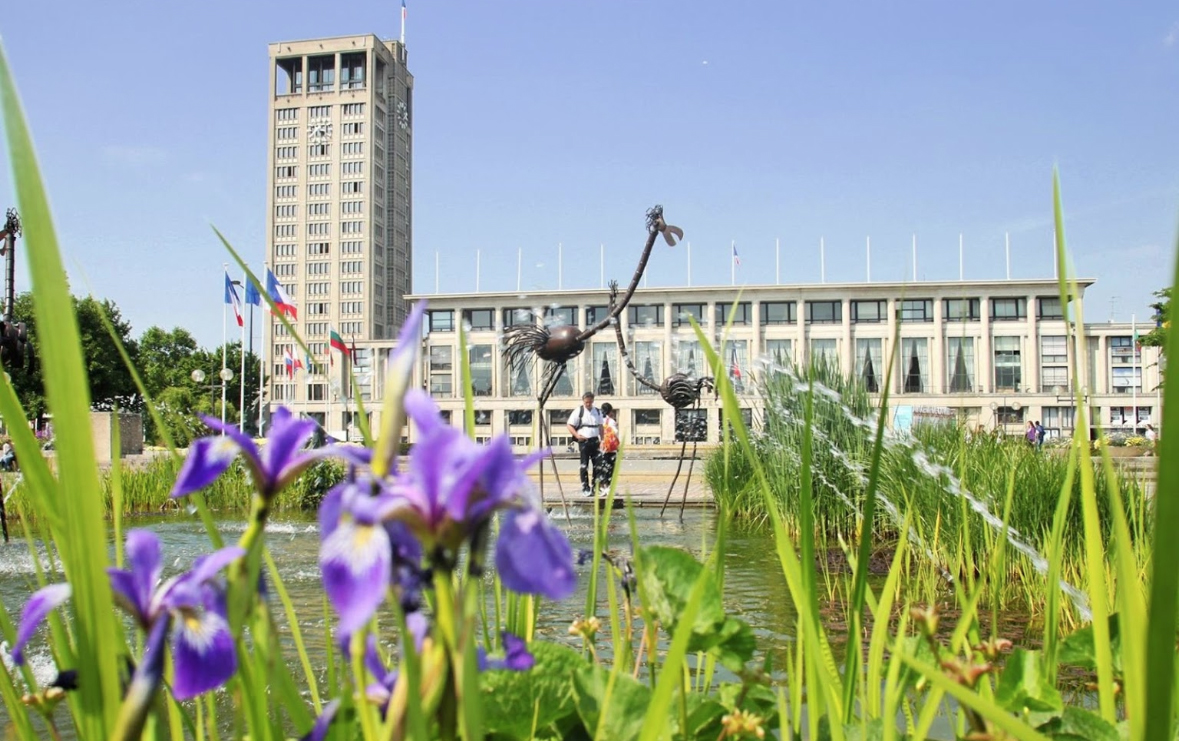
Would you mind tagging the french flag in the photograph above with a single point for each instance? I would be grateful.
(291, 362)
(279, 296)
(232, 298)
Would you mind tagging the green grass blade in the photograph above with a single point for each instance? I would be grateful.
(67, 390)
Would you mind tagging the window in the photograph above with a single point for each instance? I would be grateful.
(287, 114)
(315, 392)
(519, 377)
(481, 359)
(650, 315)
(286, 270)
(479, 320)
(648, 360)
(288, 80)
(355, 128)
(916, 310)
(869, 362)
(686, 357)
(1008, 375)
(319, 229)
(284, 250)
(869, 311)
(284, 230)
(602, 375)
(285, 171)
(1048, 307)
(1010, 415)
(284, 191)
(779, 312)
(284, 212)
(352, 207)
(321, 73)
(352, 168)
(556, 316)
(318, 190)
(1058, 419)
(317, 289)
(319, 268)
(285, 153)
(351, 227)
(316, 309)
(961, 309)
(1126, 379)
(1053, 350)
(287, 132)
(680, 314)
(351, 267)
(914, 365)
(1123, 416)
(440, 370)
(351, 187)
(352, 71)
(1008, 309)
(1054, 375)
(960, 364)
(648, 417)
(824, 312)
(351, 287)
(824, 350)
(352, 247)
(519, 417)
(1123, 351)
(778, 352)
(318, 209)
(595, 314)
(322, 170)
(318, 248)
(440, 320)
(1054, 379)
(351, 149)
(319, 111)
(354, 109)
(691, 425)
(515, 317)
(317, 150)
(483, 417)
(735, 356)
(351, 307)
(741, 314)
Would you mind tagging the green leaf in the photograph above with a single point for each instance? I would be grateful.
(1024, 685)
(1079, 650)
(704, 717)
(512, 699)
(616, 718)
(734, 644)
(668, 576)
(1076, 724)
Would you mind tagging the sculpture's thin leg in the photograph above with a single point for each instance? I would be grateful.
(688, 481)
(671, 488)
(544, 439)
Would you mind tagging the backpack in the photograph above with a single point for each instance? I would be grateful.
(581, 413)
(609, 439)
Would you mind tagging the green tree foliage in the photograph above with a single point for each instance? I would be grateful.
(1157, 337)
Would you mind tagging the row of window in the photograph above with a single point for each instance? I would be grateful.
(287, 115)
(771, 313)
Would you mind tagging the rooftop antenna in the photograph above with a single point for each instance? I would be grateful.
(403, 22)
(1113, 304)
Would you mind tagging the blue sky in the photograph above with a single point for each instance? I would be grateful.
(540, 122)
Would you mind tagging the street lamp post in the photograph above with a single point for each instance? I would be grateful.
(226, 375)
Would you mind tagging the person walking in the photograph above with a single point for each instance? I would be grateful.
(1030, 434)
(585, 424)
(1041, 433)
(608, 450)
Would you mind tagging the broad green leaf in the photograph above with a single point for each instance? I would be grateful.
(1079, 650)
(616, 718)
(668, 576)
(1024, 684)
(511, 700)
(1076, 724)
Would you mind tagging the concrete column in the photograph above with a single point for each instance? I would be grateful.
(983, 358)
(937, 353)
(847, 352)
(1031, 365)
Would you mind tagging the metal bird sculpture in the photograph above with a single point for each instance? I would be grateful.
(557, 345)
(679, 390)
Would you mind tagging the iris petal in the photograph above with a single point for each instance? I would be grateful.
(202, 653)
(43, 602)
(533, 557)
(207, 459)
(287, 436)
(355, 563)
(319, 730)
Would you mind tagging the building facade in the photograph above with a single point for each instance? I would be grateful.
(996, 354)
(339, 200)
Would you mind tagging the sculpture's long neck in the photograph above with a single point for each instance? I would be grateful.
(626, 358)
(616, 309)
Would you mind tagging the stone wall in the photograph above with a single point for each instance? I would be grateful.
(130, 432)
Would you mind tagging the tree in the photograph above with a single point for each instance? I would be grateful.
(166, 358)
(1157, 337)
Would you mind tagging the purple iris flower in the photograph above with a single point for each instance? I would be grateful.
(191, 603)
(280, 460)
(516, 658)
(381, 691)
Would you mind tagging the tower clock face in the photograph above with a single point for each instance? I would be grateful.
(402, 115)
(319, 133)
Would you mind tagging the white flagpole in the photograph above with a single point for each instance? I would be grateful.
(914, 258)
(224, 340)
(961, 270)
(437, 265)
(1134, 377)
(777, 261)
(560, 265)
(1007, 246)
(868, 249)
(403, 23)
(689, 246)
(602, 265)
(262, 359)
(241, 423)
(327, 418)
(822, 261)
(478, 264)
(519, 260)
(733, 263)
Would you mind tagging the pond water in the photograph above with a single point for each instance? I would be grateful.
(755, 590)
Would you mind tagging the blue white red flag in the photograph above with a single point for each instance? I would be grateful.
(279, 296)
(232, 298)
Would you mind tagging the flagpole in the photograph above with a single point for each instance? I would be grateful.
(961, 270)
(777, 261)
(689, 246)
(914, 258)
(478, 267)
(262, 364)
(241, 422)
(733, 263)
(602, 265)
(868, 248)
(560, 265)
(1007, 244)
(437, 265)
(519, 261)
(822, 261)
(403, 22)
(224, 340)
(1134, 378)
